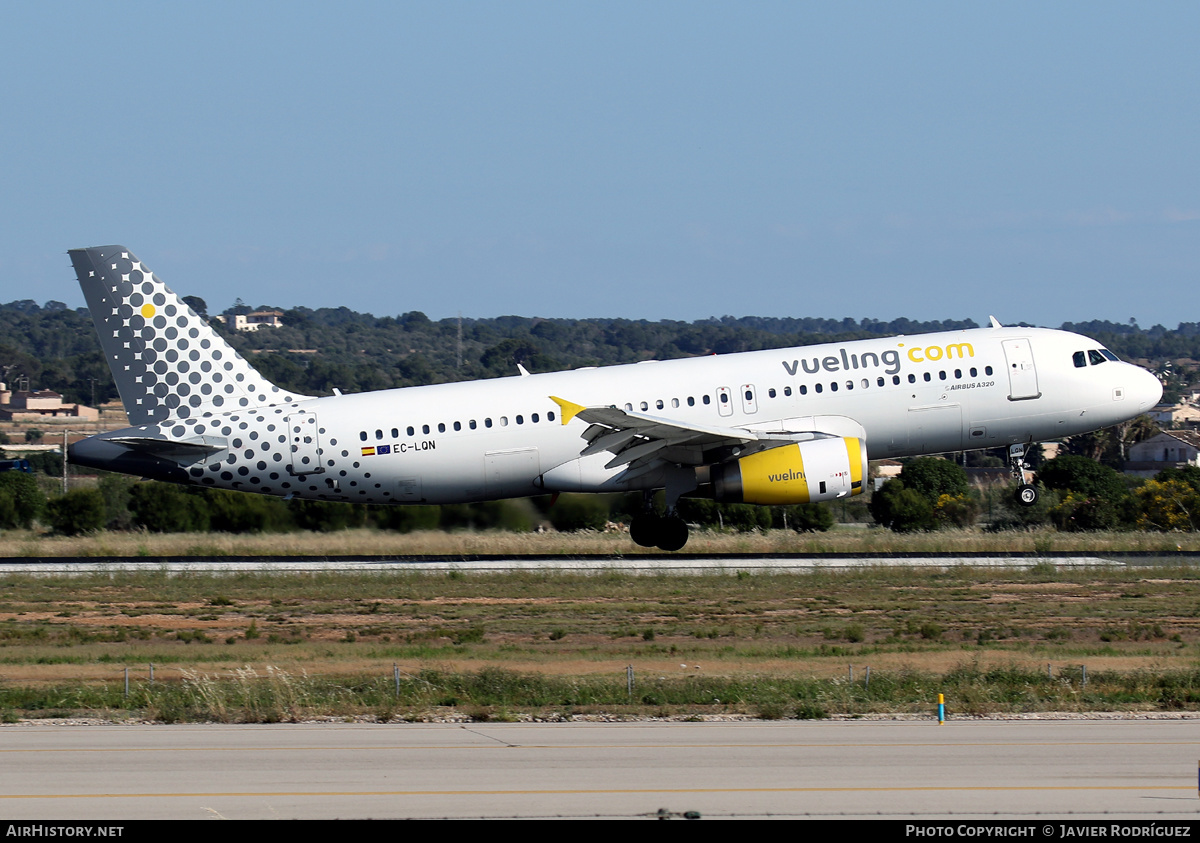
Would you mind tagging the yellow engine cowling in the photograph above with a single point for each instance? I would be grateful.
(820, 470)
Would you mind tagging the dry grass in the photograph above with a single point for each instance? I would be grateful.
(367, 542)
(271, 646)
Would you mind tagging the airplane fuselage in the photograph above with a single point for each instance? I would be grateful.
(478, 440)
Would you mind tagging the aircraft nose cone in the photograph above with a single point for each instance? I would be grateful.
(1148, 390)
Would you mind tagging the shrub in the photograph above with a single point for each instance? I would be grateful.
(27, 499)
(78, 511)
(901, 509)
(579, 512)
(933, 477)
(167, 508)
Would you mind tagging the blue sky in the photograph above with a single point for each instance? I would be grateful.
(646, 160)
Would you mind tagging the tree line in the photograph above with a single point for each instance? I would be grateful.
(319, 350)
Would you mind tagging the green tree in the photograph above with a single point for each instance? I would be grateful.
(932, 477)
(806, 517)
(578, 512)
(28, 502)
(78, 511)
(1074, 473)
(901, 509)
(167, 508)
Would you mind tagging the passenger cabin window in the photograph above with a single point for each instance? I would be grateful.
(707, 399)
(410, 430)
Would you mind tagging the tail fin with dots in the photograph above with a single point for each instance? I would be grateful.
(167, 362)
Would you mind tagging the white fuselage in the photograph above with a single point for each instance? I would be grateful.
(932, 393)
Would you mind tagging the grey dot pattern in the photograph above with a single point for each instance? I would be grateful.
(180, 381)
(167, 362)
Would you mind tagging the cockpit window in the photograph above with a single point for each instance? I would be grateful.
(1080, 359)
(1096, 357)
(1110, 355)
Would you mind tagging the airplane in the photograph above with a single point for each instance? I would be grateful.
(784, 426)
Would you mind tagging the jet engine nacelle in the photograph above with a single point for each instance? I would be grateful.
(819, 470)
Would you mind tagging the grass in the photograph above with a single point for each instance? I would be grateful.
(262, 646)
(492, 693)
(842, 539)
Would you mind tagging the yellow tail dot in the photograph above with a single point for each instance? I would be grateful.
(147, 310)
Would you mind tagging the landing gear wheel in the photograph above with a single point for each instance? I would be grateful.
(1027, 495)
(644, 529)
(672, 533)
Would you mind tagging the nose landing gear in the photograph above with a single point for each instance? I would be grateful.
(1027, 494)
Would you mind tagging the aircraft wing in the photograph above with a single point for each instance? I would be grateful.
(637, 440)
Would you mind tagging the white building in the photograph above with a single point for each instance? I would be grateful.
(1169, 449)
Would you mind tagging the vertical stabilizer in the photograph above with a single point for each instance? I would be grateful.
(167, 362)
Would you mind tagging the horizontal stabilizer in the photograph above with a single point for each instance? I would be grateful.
(185, 450)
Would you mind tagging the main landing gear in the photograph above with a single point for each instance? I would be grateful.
(649, 529)
(666, 532)
(1027, 493)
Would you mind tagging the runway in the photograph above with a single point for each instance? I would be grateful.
(1006, 770)
(678, 563)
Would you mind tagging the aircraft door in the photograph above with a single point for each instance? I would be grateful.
(724, 401)
(749, 401)
(1022, 375)
(305, 444)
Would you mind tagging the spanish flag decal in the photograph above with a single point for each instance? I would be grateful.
(368, 452)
